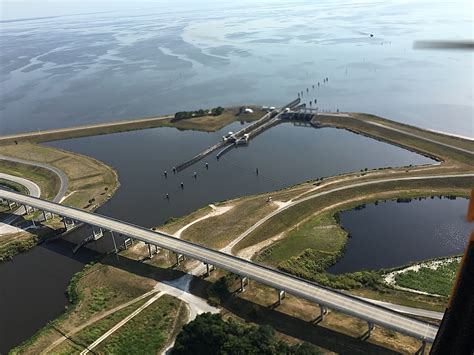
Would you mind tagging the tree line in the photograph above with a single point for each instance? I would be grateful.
(184, 115)
(210, 334)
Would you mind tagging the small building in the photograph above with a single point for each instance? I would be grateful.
(248, 111)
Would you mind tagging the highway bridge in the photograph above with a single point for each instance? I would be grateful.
(325, 297)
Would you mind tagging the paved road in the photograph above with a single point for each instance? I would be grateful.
(293, 285)
(62, 176)
(33, 190)
(407, 310)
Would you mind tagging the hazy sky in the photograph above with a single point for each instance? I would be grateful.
(19, 9)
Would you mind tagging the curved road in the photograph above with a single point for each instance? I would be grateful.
(62, 176)
(293, 285)
(33, 190)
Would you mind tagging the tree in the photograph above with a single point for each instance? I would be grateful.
(210, 334)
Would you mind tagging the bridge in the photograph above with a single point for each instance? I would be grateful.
(325, 297)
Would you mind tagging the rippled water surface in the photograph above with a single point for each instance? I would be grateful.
(123, 60)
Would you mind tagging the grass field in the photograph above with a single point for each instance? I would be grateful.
(214, 123)
(321, 234)
(438, 280)
(48, 182)
(148, 332)
(79, 341)
(97, 289)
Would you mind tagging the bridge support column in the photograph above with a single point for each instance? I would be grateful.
(97, 234)
(244, 281)
(209, 268)
(281, 296)
(179, 258)
(421, 350)
(322, 311)
(26, 209)
(150, 252)
(370, 327)
(127, 242)
(113, 240)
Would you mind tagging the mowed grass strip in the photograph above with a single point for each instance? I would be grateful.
(90, 181)
(216, 232)
(48, 181)
(88, 335)
(146, 333)
(320, 233)
(353, 196)
(437, 281)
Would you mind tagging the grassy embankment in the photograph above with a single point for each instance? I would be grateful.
(204, 123)
(101, 296)
(90, 184)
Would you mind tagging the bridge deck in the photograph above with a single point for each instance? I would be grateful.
(293, 285)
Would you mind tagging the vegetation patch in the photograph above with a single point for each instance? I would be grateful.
(210, 334)
(146, 333)
(437, 279)
(320, 236)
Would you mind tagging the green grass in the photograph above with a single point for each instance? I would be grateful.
(320, 233)
(47, 181)
(439, 281)
(14, 186)
(88, 335)
(146, 333)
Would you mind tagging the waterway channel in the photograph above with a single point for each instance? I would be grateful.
(33, 283)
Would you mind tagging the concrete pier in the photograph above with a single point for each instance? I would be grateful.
(244, 281)
(179, 258)
(209, 269)
(281, 296)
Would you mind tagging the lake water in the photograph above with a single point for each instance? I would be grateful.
(392, 234)
(284, 155)
(75, 63)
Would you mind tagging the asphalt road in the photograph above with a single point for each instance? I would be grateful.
(33, 190)
(62, 176)
(327, 297)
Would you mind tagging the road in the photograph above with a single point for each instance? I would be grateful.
(62, 176)
(407, 310)
(33, 190)
(324, 296)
